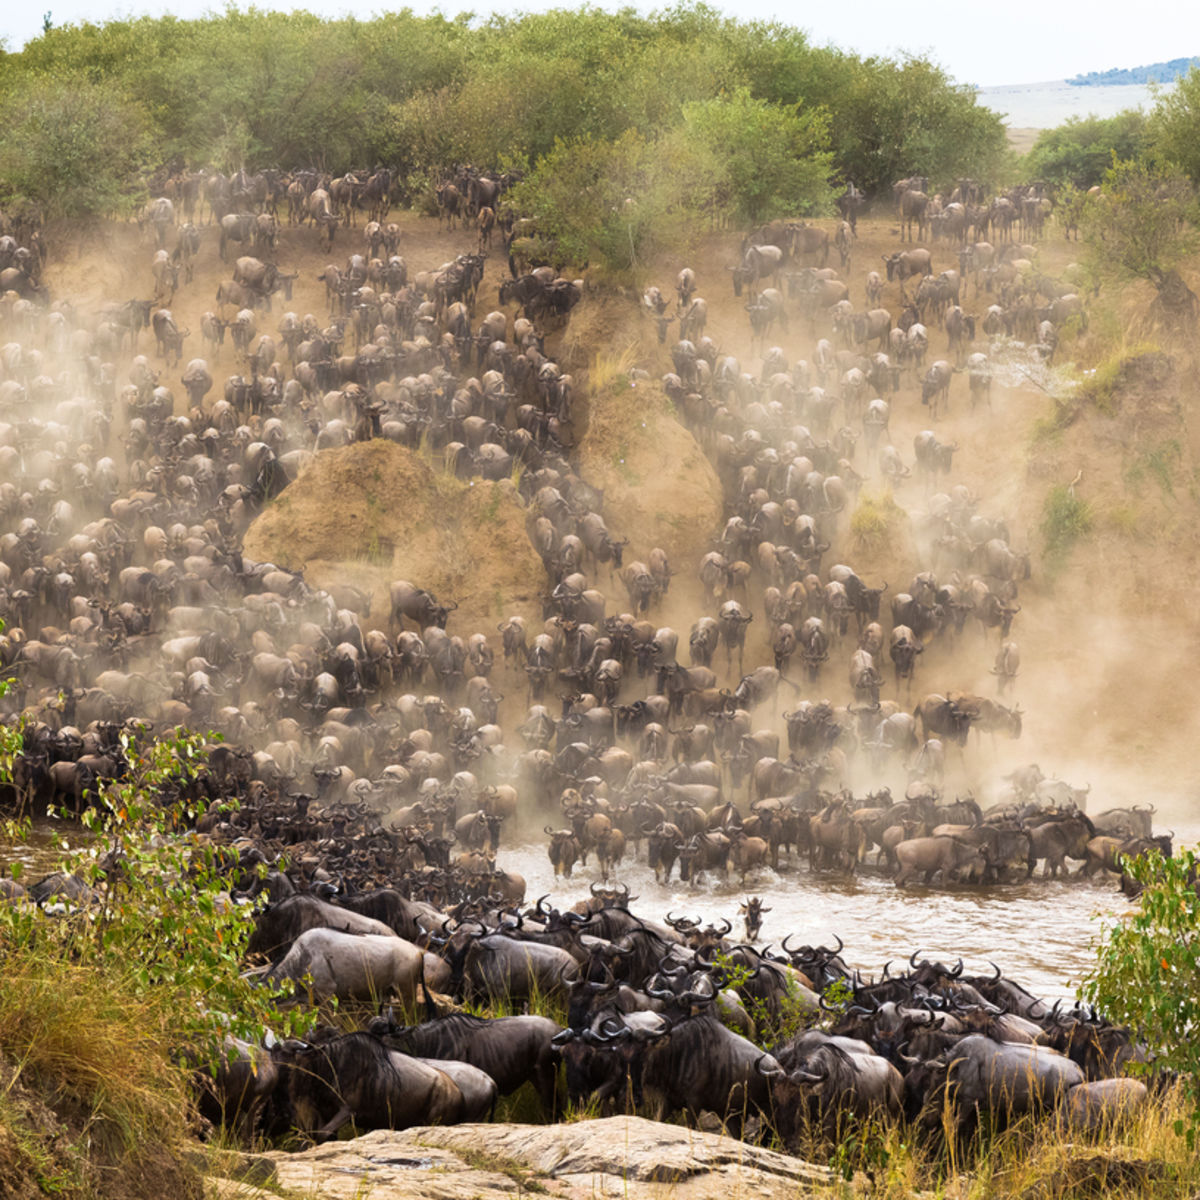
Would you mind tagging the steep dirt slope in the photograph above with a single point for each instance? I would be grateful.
(1103, 633)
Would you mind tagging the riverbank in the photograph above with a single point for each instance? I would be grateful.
(639, 1159)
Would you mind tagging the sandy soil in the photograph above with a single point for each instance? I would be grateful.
(1103, 642)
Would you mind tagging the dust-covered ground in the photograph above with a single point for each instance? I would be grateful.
(1104, 633)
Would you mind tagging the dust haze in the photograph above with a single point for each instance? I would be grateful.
(1105, 679)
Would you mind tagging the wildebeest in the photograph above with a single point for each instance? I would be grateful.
(905, 264)
(356, 1078)
(935, 386)
(949, 857)
(353, 966)
(758, 262)
(415, 604)
(511, 1050)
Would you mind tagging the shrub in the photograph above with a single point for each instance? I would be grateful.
(107, 1009)
(1065, 520)
(70, 146)
(1147, 974)
(875, 520)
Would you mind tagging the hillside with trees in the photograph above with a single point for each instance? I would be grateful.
(1160, 72)
(656, 99)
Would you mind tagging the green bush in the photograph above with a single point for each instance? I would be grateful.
(1065, 520)
(70, 146)
(1081, 149)
(258, 88)
(164, 933)
(1147, 974)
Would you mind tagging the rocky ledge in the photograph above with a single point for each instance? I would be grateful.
(626, 1157)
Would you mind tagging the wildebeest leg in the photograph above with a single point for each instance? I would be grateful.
(330, 1129)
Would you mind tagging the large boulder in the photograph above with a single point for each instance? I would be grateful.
(629, 1157)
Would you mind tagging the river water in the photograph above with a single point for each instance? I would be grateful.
(1041, 933)
(1045, 105)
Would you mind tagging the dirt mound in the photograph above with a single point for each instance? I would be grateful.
(659, 488)
(373, 512)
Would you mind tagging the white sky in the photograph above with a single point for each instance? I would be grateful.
(977, 41)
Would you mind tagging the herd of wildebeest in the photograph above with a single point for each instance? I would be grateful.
(375, 778)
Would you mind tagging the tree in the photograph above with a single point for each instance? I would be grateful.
(1081, 149)
(1173, 127)
(1141, 227)
(909, 118)
(1147, 974)
(753, 160)
(600, 202)
(70, 146)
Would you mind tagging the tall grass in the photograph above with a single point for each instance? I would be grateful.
(1066, 519)
(1037, 1158)
(83, 1043)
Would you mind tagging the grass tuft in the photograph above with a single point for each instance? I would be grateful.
(875, 520)
(89, 1089)
(1066, 519)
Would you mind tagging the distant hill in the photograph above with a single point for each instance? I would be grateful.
(1163, 72)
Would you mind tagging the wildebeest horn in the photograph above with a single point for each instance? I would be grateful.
(996, 978)
(912, 962)
(595, 886)
(806, 1076)
(958, 970)
(546, 829)
(771, 1074)
(885, 975)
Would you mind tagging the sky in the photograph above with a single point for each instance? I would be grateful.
(981, 43)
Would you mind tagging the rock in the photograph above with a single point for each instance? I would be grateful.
(628, 1157)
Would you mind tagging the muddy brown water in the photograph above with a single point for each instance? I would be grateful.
(1042, 934)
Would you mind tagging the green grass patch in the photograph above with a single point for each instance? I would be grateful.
(1066, 519)
(1102, 389)
(524, 1177)
(1123, 519)
(1157, 463)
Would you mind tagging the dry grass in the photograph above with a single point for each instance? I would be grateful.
(91, 1101)
(1036, 1159)
(875, 520)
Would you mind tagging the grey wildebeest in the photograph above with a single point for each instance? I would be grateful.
(758, 262)
(935, 387)
(905, 264)
(417, 605)
(357, 1078)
